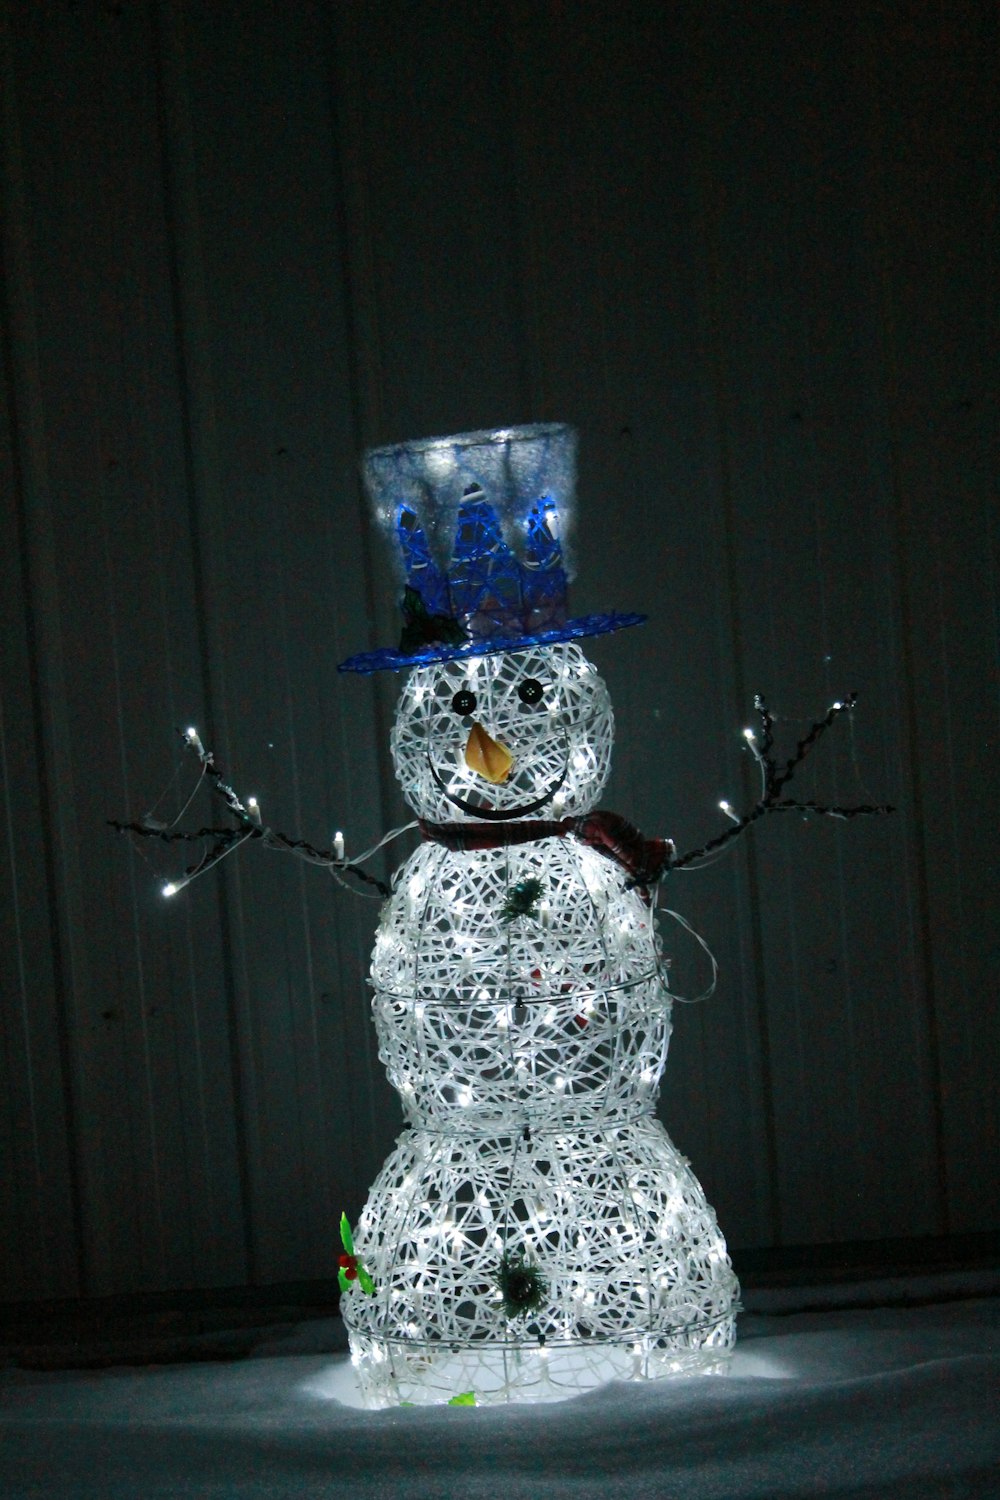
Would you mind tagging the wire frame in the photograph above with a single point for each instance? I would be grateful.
(637, 1280)
(527, 1042)
(561, 1017)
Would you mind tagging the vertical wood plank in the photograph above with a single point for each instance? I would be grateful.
(932, 201)
(40, 1242)
(108, 546)
(811, 569)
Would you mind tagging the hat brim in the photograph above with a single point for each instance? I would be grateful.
(388, 659)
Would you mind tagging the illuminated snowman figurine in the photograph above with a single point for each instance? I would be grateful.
(534, 1233)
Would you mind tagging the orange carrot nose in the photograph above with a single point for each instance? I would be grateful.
(486, 757)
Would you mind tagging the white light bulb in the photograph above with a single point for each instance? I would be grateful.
(748, 734)
(338, 845)
(169, 889)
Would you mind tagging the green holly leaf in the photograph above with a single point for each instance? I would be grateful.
(468, 1398)
(522, 900)
(365, 1282)
(342, 1280)
(346, 1238)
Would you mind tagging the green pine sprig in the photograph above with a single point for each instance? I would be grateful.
(523, 1288)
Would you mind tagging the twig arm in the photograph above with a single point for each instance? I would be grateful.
(774, 780)
(248, 826)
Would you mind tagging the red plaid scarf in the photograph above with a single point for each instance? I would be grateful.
(644, 860)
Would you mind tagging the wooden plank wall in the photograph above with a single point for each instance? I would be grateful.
(750, 251)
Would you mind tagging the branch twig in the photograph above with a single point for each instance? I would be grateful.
(247, 827)
(774, 780)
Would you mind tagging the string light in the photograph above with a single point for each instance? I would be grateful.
(773, 780)
(247, 825)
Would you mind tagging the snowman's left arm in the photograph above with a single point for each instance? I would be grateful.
(774, 780)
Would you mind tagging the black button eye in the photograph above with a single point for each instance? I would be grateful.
(530, 691)
(463, 702)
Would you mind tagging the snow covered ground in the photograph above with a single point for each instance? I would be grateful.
(857, 1401)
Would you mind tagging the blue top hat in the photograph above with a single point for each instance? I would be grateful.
(479, 527)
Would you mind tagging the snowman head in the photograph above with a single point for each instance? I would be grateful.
(512, 735)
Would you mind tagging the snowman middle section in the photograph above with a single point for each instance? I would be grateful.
(523, 1017)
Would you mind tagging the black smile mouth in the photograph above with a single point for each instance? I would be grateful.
(497, 814)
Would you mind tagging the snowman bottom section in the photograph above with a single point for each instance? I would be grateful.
(526, 1269)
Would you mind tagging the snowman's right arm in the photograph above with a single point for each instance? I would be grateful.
(246, 826)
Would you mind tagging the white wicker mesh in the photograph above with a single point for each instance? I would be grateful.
(528, 1053)
(638, 1280)
(482, 1023)
(562, 742)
